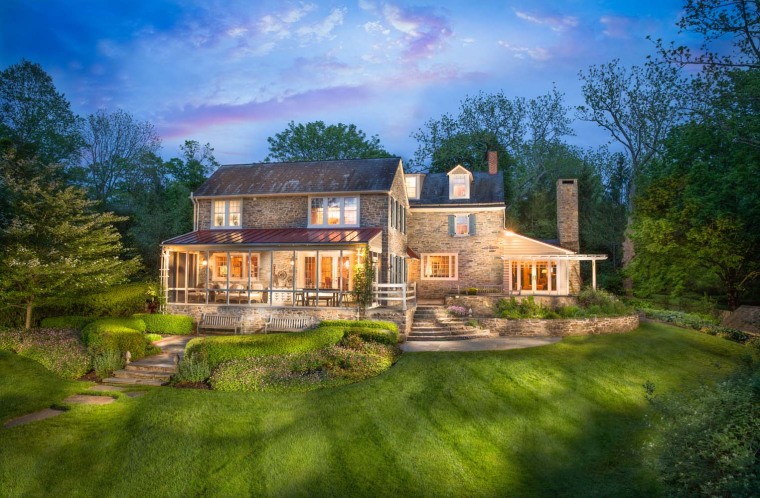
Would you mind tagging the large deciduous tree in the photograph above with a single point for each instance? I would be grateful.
(316, 141)
(115, 146)
(56, 243)
(35, 118)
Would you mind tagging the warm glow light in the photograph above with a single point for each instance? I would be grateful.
(204, 263)
(509, 233)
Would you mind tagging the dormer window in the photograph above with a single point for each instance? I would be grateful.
(227, 213)
(459, 183)
(412, 186)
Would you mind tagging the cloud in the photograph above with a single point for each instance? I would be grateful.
(376, 27)
(556, 23)
(280, 24)
(323, 29)
(520, 52)
(424, 32)
(616, 26)
(191, 119)
(237, 31)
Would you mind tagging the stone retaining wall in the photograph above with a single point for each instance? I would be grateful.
(254, 317)
(484, 306)
(561, 327)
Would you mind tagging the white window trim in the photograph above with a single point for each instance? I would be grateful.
(342, 223)
(226, 224)
(455, 265)
(416, 179)
(466, 186)
(246, 267)
(466, 215)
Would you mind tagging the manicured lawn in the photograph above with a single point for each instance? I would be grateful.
(566, 419)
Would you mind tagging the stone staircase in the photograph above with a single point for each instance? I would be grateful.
(433, 323)
(153, 370)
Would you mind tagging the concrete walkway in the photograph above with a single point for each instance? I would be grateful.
(480, 344)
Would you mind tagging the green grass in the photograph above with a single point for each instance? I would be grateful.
(566, 419)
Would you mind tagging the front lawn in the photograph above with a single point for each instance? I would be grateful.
(565, 419)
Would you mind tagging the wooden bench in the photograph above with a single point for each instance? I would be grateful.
(288, 324)
(220, 322)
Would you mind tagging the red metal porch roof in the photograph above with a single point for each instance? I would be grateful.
(277, 236)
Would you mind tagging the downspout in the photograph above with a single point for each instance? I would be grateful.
(195, 212)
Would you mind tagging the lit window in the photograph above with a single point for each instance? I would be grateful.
(411, 187)
(317, 211)
(462, 224)
(221, 266)
(459, 186)
(227, 213)
(236, 266)
(439, 267)
(334, 211)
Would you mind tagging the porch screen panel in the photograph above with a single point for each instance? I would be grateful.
(542, 275)
(515, 269)
(172, 283)
(326, 272)
(310, 272)
(553, 275)
(181, 274)
(192, 266)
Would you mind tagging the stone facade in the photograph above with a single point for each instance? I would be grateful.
(561, 327)
(478, 256)
(254, 317)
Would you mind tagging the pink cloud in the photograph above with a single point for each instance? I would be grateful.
(424, 31)
(190, 119)
(616, 26)
(555, 22)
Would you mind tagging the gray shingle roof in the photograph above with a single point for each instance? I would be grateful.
(484, 189)
(354, 175)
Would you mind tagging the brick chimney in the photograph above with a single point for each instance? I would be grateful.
(493, 162)
(567, 214)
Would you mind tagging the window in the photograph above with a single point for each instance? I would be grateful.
(220, 264)
(227, 213)
(462, 224)
(411, 187)
(459, 186)
(439, 267)
(333, 211)
(237, 267)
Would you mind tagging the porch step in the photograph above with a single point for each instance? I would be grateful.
(143, 374)
(433, 323)
(168, 368)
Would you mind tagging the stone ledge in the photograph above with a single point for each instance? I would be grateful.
(561, 327)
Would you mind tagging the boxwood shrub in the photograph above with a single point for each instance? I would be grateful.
(166, 324)
(120, 334)
(67, 322)
(366, 324)
(382, 336)
(220, 349)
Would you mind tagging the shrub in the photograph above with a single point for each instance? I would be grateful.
(60, 351)
(193, 369)
(366, 324)
(166, 324)
(220, 349)
(688, 320)
(121, 334)
(331, 366)
(67, 322)
(727, 333)
(153, 337)
(709, 441)
(460, 311)
(107, 362)
(381, 336)
(472, 291)
(603, 303)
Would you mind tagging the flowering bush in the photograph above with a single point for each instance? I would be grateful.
(60, 351)
(457, 310)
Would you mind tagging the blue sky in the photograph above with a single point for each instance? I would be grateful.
(233, 73)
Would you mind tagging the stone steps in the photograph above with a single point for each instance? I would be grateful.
(433, 323)
(143, 374)
(132, 381)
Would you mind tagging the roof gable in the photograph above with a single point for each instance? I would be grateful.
(522, 245)
(484, 189)
(460, 170)
(354, 175)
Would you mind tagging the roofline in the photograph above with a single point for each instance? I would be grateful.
(574, 256)
(515, 234)
(310, 161)
(164, 243)
(491, 206)
(292, 194)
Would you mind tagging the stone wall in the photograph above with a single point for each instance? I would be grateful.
(255, 316)
(484, 306)
(561, 327)
(479, 255)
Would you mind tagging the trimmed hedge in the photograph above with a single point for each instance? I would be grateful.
(382, 336)
(220, 349)
(120, 334)
(166, 324)
(366, 324)
(119, 301)
(67, 322)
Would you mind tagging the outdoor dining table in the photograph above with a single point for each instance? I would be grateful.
(329, 296)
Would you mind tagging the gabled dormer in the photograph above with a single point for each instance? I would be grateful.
(460, 180)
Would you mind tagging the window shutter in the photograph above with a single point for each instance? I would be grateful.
(472, 224)
(393, 213)
(452, 222)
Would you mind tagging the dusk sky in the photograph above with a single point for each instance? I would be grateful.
(234, 73)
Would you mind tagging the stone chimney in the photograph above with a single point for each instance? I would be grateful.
(567, 228)
(493, 162)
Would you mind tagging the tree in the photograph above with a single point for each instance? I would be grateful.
(56, 244)
(36, 118)
(316, 141)
(698, 218)
(115, 146)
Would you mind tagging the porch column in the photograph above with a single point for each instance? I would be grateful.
(229, 261)
(519, 275)
(533, 276)
(293, 272)
(208, 264)
(249, 277)
(271, 278)
(549, 276)
(593, 274)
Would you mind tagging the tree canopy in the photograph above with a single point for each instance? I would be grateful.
(316, 141)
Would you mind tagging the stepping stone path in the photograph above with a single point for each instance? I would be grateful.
(153, 370)
(101, 387)
(89, 399)
(32, 417)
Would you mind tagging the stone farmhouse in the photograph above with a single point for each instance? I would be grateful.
(287, 238)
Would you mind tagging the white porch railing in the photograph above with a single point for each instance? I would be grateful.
(386, 294)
